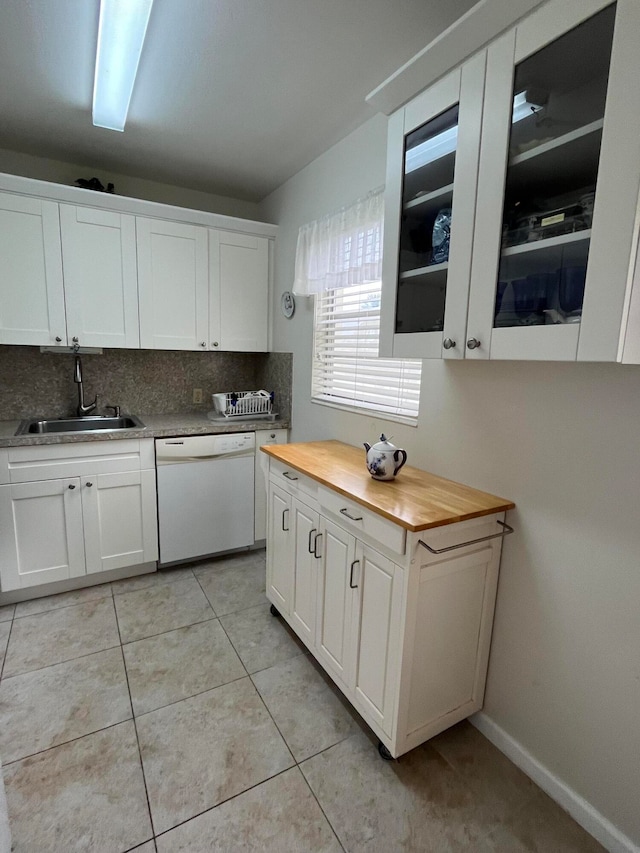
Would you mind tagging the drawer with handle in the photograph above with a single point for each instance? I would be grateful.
(363, 522)
(293, 481)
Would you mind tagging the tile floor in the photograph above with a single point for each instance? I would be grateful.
(172, 712)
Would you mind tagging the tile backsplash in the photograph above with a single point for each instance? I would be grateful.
(153, 382)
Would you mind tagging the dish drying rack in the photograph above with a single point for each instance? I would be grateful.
(249, 405)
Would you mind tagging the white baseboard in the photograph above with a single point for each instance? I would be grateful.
(580, 810)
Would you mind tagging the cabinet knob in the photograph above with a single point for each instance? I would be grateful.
(58, 339)
(448, 343)
(214, 343)
(89, 485)
(203, 344)
(71, 486)
(473, 343)
(273, 435)
(75, 340)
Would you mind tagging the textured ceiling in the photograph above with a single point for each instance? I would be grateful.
(232, 96)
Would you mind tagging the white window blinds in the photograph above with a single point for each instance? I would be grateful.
(346, 370)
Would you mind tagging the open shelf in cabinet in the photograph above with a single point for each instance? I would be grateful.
(429, 270)
(562, 164)
(442, 194)
(544, 255)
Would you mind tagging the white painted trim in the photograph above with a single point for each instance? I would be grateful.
(580, 809)
(473, 31)
(138, 207)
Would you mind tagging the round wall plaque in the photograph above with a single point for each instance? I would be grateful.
(288, 304)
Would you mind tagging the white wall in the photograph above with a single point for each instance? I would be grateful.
(561, 440)
(59, 172)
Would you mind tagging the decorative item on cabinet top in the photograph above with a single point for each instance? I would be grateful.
(384, 459)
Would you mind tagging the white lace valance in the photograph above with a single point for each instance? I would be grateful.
(342, 249)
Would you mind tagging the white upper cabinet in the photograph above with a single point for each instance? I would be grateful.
(100, 277)
(433, 146)
(555, 197)
(31, 289)
(239, 291)
(202, 289)
(173, 282)
(128, 273)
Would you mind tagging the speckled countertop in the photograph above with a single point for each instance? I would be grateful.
(156, 426)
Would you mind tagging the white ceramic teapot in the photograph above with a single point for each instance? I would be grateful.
(384, 460)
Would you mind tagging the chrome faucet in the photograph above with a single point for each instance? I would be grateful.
(82, 410)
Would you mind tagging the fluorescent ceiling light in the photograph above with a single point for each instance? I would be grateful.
(445, 143)
(123, 26)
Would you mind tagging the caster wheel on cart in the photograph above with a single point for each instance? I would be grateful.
(273, 611)
(384, 752)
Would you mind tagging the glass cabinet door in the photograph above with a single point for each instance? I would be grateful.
(425, 224)
(433, 148)
(541, 182)
(559, 96)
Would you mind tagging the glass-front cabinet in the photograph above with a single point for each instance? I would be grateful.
(427, 246)
(545, 265)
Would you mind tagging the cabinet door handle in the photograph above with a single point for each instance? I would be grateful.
(345, 511)
(89, 484)
(311, 532)
(288, 475)
(315, 547)
(351, 583)
(286, 529)
(448, 343)
(473, 343)
(203, 344)
(58, 339)
(71, 486)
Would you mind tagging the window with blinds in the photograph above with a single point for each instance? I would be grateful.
(346, 369)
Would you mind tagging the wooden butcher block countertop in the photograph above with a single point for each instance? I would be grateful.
(416, 500)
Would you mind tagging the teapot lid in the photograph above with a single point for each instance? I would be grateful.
(384, 444)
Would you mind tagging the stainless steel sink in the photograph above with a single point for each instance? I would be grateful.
(88, 424)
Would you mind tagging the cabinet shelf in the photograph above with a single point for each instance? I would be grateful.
(427, 198)
(543, 256)
(561, 165)
(430, 270)
(549, 243)
(560, 141)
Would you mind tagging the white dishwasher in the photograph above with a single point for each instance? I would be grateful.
(205, 494)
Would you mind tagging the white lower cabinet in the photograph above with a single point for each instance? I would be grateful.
(119, 512)
(42, 539)
(75, 509)
(279, 550)
(376, 621)
(334, 600)
(404, 631)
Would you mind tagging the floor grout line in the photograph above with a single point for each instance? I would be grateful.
(135, 728)
(226, 800)
(66, 742)
(55, 663)
(63, 607)
(191, 696)
(6, 648)
(168, 631)
(153, 585)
